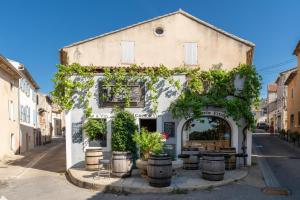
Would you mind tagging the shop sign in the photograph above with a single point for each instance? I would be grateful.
(214, 113)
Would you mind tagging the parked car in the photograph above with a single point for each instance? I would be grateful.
(262, 125)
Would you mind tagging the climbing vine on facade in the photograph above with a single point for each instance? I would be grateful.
(215, 87)
(72, 85)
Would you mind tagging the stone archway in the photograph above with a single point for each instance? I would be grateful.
(229, 120)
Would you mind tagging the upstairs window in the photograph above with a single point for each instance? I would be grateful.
(127, 52)
(190, 53)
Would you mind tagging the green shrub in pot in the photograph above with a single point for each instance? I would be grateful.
(148, 142)
(123, 146)
(95, 128)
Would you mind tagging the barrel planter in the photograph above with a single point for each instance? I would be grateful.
(213, 166)
(121, 164)
(230, 158)
(92, 157)
(159, 170)
(190, 158)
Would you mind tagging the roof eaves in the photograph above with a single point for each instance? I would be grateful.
(290, 77)
(10, 67)
(28, 75)
(297, 49)
(162, 16)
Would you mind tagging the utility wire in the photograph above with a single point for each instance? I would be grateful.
(276, 66)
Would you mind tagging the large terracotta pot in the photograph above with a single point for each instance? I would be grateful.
(142, 166)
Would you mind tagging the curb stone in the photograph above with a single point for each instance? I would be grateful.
(124, 186)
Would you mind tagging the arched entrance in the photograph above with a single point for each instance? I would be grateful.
(206, 133)
(227, 121)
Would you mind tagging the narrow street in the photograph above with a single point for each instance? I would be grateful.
(283, 159)
(46, 180)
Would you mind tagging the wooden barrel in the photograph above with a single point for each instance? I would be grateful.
(121, 164)
(92, 157)
(191, 161)
(213, 166)
(230, 158)
(159, 170)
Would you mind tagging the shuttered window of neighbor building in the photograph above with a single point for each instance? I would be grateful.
(292, 121)
(127, 51)
(190, 53)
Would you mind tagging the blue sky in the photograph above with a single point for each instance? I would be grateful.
(33, 31)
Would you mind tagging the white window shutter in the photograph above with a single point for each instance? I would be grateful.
(191, 53)
(127, 51)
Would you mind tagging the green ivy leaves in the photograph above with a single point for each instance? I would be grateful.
(203, 88)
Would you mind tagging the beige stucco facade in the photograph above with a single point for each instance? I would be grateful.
(293, 101)
(214, 45)
(9, 112)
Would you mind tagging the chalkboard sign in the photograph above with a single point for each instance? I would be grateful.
(77, 132)
(169, 127)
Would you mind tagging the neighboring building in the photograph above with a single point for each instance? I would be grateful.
(281, 100)
(9, 111)
(293, 92)
(272, 105)
(176, 39)
(27, 108)
(44, 108)
(261, 112)
(57, 121)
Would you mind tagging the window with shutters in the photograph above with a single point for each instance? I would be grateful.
(292, 121)
(190, 53)
(127, 52)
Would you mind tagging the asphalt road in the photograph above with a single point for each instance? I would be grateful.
(283, 159)
(46, 180)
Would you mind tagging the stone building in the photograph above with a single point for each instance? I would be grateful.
(57, 121)
(44, 108)
(9, 110)
(175, 39)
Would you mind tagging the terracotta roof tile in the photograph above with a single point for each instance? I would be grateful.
(272, 87)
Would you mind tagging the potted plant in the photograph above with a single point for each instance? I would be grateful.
(123, 146)
(95, 130)
(148, 142)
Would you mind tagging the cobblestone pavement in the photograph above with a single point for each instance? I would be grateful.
(46, 180)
